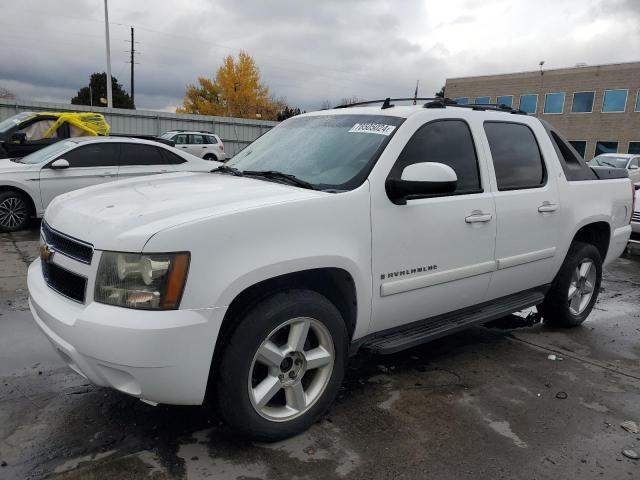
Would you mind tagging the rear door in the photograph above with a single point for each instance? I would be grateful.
(138, 159)
(88, 165)
(527, 207)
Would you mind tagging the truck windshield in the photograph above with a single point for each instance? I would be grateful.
(11, 122)
(328, 151)
(607, 161)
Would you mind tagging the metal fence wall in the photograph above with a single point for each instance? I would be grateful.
(236, 133)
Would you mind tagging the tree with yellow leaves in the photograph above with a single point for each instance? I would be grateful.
(237, 91)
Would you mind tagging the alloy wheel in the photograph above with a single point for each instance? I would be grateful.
(291, 369)
(13, 212)
(582, 286)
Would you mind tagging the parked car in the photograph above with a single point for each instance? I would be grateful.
(635, 219)
(205, 145)
(27, 132)
(28, 185)
(355, 228)
(619, 160)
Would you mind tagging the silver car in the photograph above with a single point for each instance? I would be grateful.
(619, 160)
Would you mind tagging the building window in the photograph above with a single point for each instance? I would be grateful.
(483, 100)
(638, 100)
(634, 148)
(462, 100)
(554, 103)
(505, 100)
(529, 103)
(582, 102)
(606, 147)
(580, 146)
(614, 100)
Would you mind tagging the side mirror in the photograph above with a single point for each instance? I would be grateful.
(421, 180)
(59, 164)
(18, 137)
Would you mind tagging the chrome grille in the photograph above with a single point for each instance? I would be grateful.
(69, 246)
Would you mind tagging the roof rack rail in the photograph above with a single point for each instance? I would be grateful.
(386, 102)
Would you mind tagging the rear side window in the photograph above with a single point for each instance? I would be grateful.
(94, 155)
(171, 158)
(516, 156)
(138, 154)
(443, 141)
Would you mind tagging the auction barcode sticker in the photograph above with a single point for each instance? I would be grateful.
(378, 128)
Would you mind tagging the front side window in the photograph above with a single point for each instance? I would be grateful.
(444, 141)
(505, 100)
(554, 103)
(93, 155)
(634, 148)
(580, 146)
(328, 151)
(529, 103)
(516, 156)
(462, 100)
(181, 139)
(614, 101)
(606, 147)
(582, 102)
(139, 154)
(483, 100)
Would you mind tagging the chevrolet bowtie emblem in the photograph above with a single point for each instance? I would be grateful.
(45, 253)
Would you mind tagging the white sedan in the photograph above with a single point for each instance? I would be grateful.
(28, 184)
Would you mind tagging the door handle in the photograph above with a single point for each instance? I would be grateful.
(548, 207)
(478, 217)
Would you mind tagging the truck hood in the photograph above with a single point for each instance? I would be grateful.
(123, 215)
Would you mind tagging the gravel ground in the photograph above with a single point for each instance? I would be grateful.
(487, 402)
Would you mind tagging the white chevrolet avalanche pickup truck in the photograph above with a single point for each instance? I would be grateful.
(373, 227)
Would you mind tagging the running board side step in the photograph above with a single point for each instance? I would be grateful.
(395, 340)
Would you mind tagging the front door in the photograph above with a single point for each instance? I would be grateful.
(90, 164)
(434, 255)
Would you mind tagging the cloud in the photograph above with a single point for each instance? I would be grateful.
(308, 52)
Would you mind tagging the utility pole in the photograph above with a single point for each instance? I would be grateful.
(133, 50)
(106, 29)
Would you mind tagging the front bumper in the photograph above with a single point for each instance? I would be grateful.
(157, 356)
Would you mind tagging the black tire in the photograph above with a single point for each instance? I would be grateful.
(210, 157)
(235, 366)
(555, 309)
(15, 211)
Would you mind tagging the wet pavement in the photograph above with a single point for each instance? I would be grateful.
(486, 403)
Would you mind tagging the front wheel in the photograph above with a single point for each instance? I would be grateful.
(575, 289)
(14, 211)
(282, 366)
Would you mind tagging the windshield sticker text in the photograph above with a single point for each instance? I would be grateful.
(378, 128)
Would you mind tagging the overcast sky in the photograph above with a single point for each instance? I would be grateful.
(308, 52)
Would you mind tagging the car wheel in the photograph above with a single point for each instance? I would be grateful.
(14, 211)
(210, 157)
(575, 289)
(282, 365)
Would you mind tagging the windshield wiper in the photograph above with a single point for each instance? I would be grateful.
(291, 179)
(227, 169)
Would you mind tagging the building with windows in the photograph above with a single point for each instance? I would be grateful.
(597, 108)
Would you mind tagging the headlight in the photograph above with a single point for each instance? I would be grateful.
(148, 282)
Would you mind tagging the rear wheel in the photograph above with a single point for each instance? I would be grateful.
(282, 366)
(14, 211)
(575, 289)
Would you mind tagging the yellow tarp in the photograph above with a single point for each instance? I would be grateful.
(89, 123)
